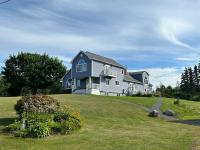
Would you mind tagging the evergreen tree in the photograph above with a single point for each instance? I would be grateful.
(196, 78)
(185, 81)
(191, 80)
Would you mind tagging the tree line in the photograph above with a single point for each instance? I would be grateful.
(190, 80)
(28, 73)
(189, 87)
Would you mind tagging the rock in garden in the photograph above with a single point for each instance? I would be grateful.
(169, 112)
(154, 113)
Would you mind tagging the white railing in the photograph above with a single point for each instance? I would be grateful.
(95, 86)
(108, 72)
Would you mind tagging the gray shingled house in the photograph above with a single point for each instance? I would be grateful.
(94, 74)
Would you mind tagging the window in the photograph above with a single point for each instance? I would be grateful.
(145, 80)
(81, 66)
(106, 67)
(78, 83)
(117, 82)
(107, 81)
(122, 71)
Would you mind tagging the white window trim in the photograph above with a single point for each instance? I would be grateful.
(82, 65)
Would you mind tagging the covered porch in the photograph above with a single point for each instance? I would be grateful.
(87, 85)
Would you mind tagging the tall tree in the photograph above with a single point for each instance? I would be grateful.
(185, 80)
(191, 80)
(196, 77)
(32, 70)
(4, 86)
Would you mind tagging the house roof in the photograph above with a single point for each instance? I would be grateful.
(68, 71)
(100, 58)
(129, 78)
(138, 72)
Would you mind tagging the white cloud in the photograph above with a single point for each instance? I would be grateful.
(184, 59)
(52, 39)
(171, 29)
(166, 76)
(191, 57)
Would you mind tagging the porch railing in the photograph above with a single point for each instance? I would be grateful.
(94, 86)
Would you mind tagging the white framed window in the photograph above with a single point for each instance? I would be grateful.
(107, 81)
(81, 66)
(106, 67)
(117, 82)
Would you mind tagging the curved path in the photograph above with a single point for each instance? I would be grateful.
(156, 106)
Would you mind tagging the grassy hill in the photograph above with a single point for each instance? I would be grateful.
(115, 123)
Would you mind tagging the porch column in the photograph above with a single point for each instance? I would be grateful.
(74, 83)
(90, 82)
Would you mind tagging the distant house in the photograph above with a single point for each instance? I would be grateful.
(94, 74)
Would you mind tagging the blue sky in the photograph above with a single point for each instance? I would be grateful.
(161, 37)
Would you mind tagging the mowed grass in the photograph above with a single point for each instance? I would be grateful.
(185, 110)
(110, 123)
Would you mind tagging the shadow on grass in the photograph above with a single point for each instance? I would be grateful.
(194, 122)
(7, 121)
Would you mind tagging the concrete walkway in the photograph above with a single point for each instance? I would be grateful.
(157, 106)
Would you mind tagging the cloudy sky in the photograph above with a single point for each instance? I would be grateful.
(159, 36)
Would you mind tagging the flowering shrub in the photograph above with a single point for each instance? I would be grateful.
(36, 104)
(41, 116)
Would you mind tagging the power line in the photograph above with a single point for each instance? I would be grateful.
(4, 2)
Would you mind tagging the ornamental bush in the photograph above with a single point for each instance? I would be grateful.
(36, 104)
(41, 116)
(38, 130)
(66, 122)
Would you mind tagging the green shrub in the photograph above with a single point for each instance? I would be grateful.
(38, 130)
(195, 98)
(32, 118)
(36, 104)
(67, 122)
(41, 121)
(55, 127)
(13, 127)
(60, 116)
(177, 102)
(70, 125)
(139, 94)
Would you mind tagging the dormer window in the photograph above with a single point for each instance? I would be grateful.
(81, 66)
(145, 80)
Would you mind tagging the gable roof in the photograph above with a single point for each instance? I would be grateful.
(100, 58)
(68, 71)
(138, 72)
(129, 78)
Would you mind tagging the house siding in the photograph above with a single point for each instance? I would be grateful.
(93, 80)
(83, 74)
(98, 68)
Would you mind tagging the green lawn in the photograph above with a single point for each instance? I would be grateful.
(186, 110)
(110, 123)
